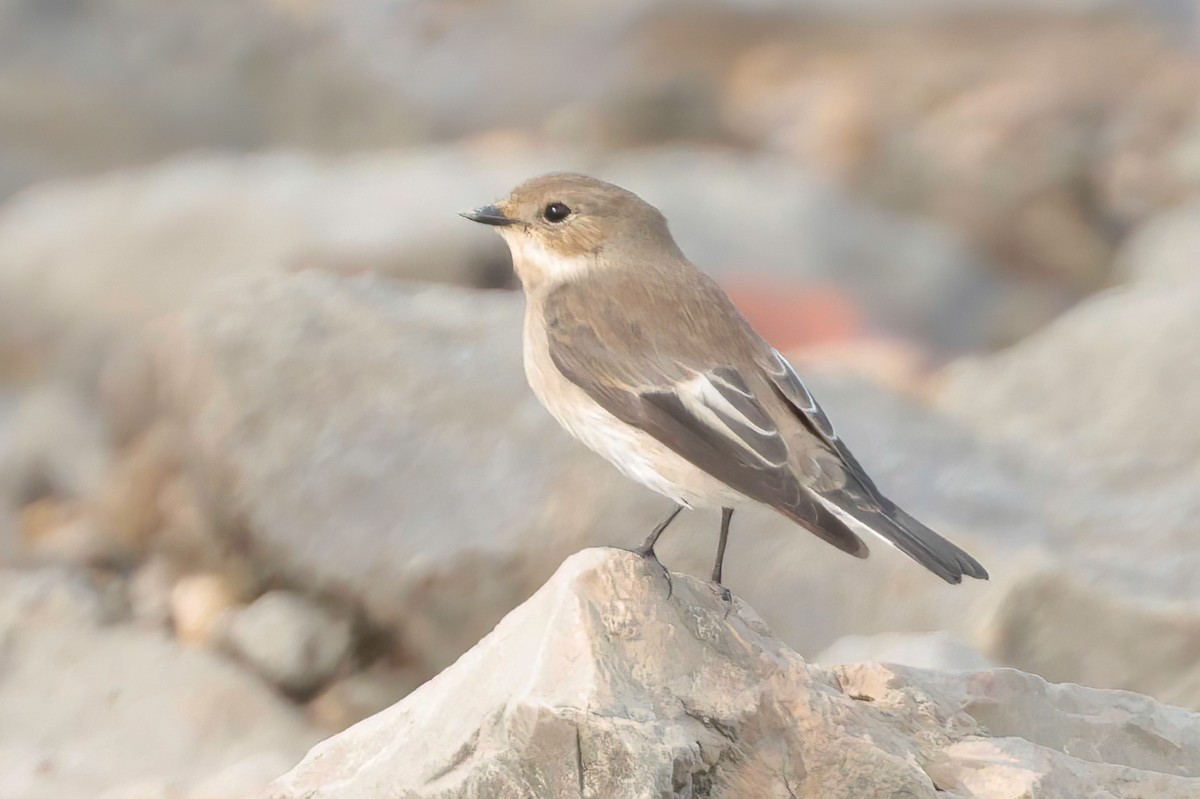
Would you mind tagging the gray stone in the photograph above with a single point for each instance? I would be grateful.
(1162, 252)
(55, 597)
(1083, 392)
(1106, 401)
(601, 685)
(57, 445)
(362, 694)
(81, 262)
(346, 425)
(87, 708)
(293, 642)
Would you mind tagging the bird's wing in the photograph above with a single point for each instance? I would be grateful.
(853, 493)
(672, 388)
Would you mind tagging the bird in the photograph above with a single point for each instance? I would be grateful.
(642, 357)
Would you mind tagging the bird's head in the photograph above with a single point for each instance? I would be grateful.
(562, 225)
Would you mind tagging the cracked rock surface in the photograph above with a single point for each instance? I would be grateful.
(601, 685)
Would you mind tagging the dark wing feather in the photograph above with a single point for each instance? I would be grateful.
(857, 494)
(708, 414)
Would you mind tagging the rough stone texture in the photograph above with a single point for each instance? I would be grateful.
(88, 705)
(601, 685)
(293, 642)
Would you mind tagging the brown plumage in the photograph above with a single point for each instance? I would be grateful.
(644, 358)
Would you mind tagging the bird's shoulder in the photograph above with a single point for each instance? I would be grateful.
(663, 314)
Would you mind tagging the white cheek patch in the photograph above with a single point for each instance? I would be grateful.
(531, 258)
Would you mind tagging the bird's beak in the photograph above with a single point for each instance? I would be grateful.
(488, 215)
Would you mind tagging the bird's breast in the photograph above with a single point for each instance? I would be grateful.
(634, 452)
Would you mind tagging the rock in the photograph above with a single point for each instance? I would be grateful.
(1046, 624)
(150, 591)
(83, 263)
(937, 650)
(1108, 358)
(201, 607)
(54, 597)
(113, 525)
(351, 699)
(978, 127)
(242, 780)
(378, 448)
(338, 427)
(126, 507)
(601, 685)
(53, 530)
(1162, 252)
(293, 642)
(301, 402)
(1106, 399)
(87, 708)
(57, 446)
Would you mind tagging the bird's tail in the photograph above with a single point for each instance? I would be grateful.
(926, 547)
(911, 537)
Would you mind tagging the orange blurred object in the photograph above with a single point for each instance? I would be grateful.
(794, 315)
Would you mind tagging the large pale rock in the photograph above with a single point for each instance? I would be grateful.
(343, 426)
(87, 706)
(82, 259)
(56, 444)
(602, 685)
(1108, 396)
(346, 425)
(294, 642)
(339, 425)
(1163, 251)
(1111, 388)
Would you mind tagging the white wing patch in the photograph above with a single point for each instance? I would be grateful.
(799, 395)
(851, 522)
(705, 402)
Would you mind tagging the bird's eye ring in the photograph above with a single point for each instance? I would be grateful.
(555, 212)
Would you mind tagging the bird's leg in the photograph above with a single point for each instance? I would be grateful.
(646, 550)
(647, 547)
(726, 516)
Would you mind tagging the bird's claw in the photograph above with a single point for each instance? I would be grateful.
(648, 554)
(725, 596)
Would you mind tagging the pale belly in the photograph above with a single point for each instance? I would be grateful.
(636, 454)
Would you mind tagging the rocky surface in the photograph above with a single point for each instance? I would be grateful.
(1162, 252)
(976, 123)
(295, 643)
(82, 262)
(601, 685)
(935, 650)
(338, 426)
(262, 381)
(89, 704)
(1107, 394)
(1109, 388)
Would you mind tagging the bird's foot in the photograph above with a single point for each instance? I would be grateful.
(648, 554)
(725, 595)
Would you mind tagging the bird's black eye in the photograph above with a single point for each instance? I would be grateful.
(556, 212)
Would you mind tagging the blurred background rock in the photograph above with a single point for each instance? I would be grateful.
(259, 478)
